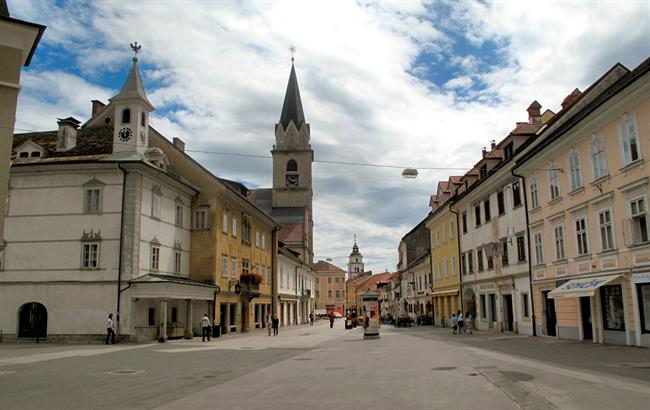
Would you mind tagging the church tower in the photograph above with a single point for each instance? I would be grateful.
(131, 113)
(355, 264)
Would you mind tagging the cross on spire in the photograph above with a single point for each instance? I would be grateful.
(292, 51)
(136, 49)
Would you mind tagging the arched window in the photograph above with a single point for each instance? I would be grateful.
(292, 165)
(142, 119)
(126, 116)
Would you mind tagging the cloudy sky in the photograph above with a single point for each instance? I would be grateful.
(409, 83)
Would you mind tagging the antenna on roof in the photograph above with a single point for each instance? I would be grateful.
(136, 49)
(292, 51)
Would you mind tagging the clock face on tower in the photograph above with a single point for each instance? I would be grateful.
(125, 134)
(292, 180)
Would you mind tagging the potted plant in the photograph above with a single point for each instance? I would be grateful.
(250, 284)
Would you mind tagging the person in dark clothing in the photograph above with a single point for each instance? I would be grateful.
(331, 320)
(276, 324)
(110, 329)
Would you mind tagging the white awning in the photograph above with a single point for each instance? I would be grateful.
(445, 292)
(581, 287)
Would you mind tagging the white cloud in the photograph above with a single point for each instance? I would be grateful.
(221, 71)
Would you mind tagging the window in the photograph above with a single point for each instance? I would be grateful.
(245, 265)
(486, 209)
(317, 281)
(177, 261)
(500, 203)
(464, 221)
(453, 265)
(338, 295)
(524, 305)
(263, 242)
(329, 294)
(258, 241)
(521, 249)
(292, 166)
(155, 203)
(534, 194)
(574, 170)
(174, 314)
(606, 231)
(151, 317)
(612, 307)
(509, 150)
(452, 230)
(479, 259)
(504, 255)
(444, 233)
(516, 194)
(639, 221)
(477, 214)
(598, 158)
(554, 182)
(224, 222)
(224, 266)
(234, 227)
(483, 171)
(329, 279)
(581, 236)
(317, 294)
(490, 262)
(179, 214)
(558, 231)
(446, 268)
(126, 116)
(143, 119)
(643, 290)
(463, 264)
(92, 199)
(336, 280)
(24, 155)
(155, 257)
(200, 218)
(90, 255)
(539, 248)
(247, 226)
(629, 139)
(233, 267)
(470, 262)
(483, 308)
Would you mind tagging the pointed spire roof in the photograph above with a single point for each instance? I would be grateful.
(133, 87)
(355, 247)
(292, 108)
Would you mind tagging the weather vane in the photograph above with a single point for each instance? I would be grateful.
(355, 238)
(292, 50)
(136, 49)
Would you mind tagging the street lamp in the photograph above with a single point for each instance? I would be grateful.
(410, 173)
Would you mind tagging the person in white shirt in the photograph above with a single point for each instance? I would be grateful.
(461, 322)
(205, 327)
(110, 329)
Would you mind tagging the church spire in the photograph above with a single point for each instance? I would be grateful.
(133, 88)
(292, 107)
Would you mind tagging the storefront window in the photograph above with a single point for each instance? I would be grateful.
(612, 301)
(643, 291)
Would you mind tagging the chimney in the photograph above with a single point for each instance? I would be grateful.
(67, 135)
(179, 144)
(97, 107)
(571, 98)
(493, 144)
(484, 152)
(534, 115)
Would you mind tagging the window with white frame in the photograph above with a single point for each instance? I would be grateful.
(521, 249)
(233, 267)
(245, 265)
(224, 266)
(155, 202)
(234, 227)
(178, 220)
(452, 230)
(516, 195)
(534, 193)
(470, 262)
(629, 139)
(155, 257)
(247, 226)
(224, 222)
(92, 199)
(453, 265)
(263, 242)
(446, 268)
(479, 259)
(463, 218)
(477, 215)
(581, 236)
(598, 157)
(258, 240)
(444, 233)
(639, 221)
(463, 263)
(558, 232)
(200, 217)
(177, 261)
(606, 230)
(486, 210)
(539, 248)
(554, 182)
(90, 255)
(574, 170)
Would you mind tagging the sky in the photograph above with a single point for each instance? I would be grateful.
(423, 84)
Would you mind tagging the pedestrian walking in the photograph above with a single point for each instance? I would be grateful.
(269, 323)
(331, 320)
(110, 329)
(469, 323)
(311, 319)
(454, 323)
(460, 320)
(276, 324)
(205, 328)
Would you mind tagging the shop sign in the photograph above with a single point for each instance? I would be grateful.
(486, 286)
(641, 277)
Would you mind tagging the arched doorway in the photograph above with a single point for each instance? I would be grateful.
(32, 320)
(469, 299)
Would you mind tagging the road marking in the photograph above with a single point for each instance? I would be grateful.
(589, 377)
(42, 357)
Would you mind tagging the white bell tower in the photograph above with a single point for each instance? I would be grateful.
(355, 263)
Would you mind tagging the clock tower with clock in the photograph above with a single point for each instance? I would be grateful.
(131, 113)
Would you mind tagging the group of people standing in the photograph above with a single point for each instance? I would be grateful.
(272, 323)
(461, 324)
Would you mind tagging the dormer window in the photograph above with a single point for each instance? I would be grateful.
(24, 155)
(483, 171)
(126, 116)
(509, 150)
(35, 154)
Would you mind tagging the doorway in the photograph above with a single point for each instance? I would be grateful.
(585, 313)
(222, 319)
(551, 320)
(493, 309)
(32, 320)
(508, 313)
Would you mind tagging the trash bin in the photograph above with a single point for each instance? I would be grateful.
(216, 330)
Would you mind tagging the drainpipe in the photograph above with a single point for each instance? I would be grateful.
(119, 263)
(530, 256)
(460, 269)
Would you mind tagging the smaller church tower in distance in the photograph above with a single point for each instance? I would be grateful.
(355, 264)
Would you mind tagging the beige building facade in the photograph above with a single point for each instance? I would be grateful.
(330, 287)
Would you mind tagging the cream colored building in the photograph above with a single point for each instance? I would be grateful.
(329, 287)
(587, 186)
(296, 288)
(18, 42)
(414, 267)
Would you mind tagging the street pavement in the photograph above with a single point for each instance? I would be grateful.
(315, 367)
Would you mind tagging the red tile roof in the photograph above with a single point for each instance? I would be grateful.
(323, 266)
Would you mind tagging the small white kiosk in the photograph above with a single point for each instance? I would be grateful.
(370, 314)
